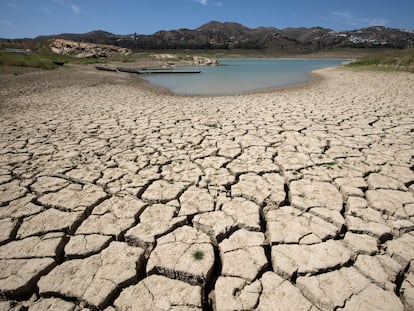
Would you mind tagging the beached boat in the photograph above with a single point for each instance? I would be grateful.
(105, 68)
(128, 70)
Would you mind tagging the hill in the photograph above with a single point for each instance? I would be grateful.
(217, 35)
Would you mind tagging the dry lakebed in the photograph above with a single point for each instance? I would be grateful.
(116, 195)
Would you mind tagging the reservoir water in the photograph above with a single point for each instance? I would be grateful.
(239, 76)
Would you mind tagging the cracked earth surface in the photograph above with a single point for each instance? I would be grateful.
(115, 197)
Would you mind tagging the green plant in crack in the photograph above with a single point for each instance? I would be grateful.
(198, 255)
(329, 165)
(208, 182)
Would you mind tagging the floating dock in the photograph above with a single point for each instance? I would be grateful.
(147, 70)
(167, 71)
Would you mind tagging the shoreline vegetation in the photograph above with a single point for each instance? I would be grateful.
(364, 59)
(397, 60)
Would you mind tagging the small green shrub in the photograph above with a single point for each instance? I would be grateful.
(398, 60)
(198, 255)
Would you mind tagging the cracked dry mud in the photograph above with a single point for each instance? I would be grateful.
(117, 197)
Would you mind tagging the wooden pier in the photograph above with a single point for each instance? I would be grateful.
(155, 70)
(167, 71)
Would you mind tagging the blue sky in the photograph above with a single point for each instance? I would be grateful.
(30, 18)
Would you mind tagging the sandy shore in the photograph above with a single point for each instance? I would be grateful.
(115, 195)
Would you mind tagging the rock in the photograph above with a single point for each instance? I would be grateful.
(159, 293)
(407, 289)
(162, 191)
(290, 225)
(195, 200)
(378, 181)
(281, 293)
(96, 278)
(85, 245)
(356, 203)
(6, 306)
(185, 254)
(361, 243)
(11, 191)
(217, 225)
(252, 166)
(20, 208)
(49, 221)
(74, 198)
(358, 225)
(32, 247)
(7, 229)
(87, 50)
(52, 304)
(181, 171)
(242, 255)
(401, 249)
(84, 174)
(109, 175)
(367, 214)
(330, 290)
(133, 183)
(381, 269)
(403, 174)
(231, 293)
(18, 277)
(258, 188)
(305, 194)
(330, 216)
(47, 184)
(216, 177)
(351, 186)
(204, 61)
(5, 178)
(112, 217)
(244, 212)
(156, 220)
(212, 162)
(390, 202)
(374, 298)
(289, 161)
(289, 260)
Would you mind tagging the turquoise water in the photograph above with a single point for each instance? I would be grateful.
(239, 76)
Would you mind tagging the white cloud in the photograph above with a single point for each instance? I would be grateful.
(46, 10)
(203, 2)
(75, 8)
(12, 5)
(6, 23)
(209, 2)
(346, 15)
(350, 19)
(374, 21)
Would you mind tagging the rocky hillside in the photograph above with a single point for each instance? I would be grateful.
(87, 50)
(217, 35)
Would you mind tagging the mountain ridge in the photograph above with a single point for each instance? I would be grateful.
(231, 35)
